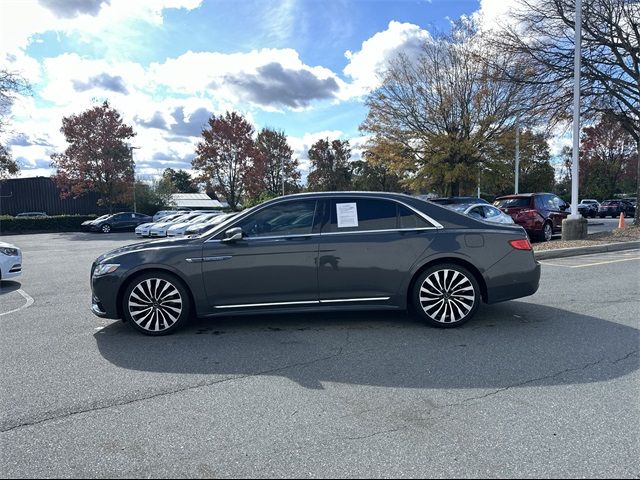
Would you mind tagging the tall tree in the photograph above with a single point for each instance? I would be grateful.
(265, 177)
(8, 166)
(330, 169)
(224, 155)
(446, 107)
(540, 34)
(178, 181)
(536, 172)
(12, 84)
(97, 158)
(382, 167)
(608, 160)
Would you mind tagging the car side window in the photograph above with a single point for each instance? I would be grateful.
(362, 214)
(490, 212)
(410, 219)
(477, 212)
(290, 218)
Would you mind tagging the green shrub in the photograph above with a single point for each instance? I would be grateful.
(61, 223)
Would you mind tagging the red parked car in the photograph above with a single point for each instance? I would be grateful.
(540, 214)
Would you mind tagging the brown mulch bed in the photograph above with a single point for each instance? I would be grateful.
(628, 234)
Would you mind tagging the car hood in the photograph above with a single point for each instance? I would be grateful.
(7, 245)
(141, 246)
(145, 225)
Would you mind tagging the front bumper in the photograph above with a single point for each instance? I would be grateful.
(104, 295)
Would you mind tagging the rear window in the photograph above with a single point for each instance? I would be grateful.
(512, 202)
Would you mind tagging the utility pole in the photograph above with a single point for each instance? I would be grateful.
(282, 173)
(131, 149)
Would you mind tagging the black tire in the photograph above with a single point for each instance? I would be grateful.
(602, 216)
(593, 214)
(156, 303)
(547, 232)
(106, 228)
(446, 295)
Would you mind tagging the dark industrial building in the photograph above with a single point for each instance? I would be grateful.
(40, 194)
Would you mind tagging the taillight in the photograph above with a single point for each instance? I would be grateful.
(520, 244)
(528, 213)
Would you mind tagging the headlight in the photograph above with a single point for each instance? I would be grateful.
(105, 268)
(11, 252)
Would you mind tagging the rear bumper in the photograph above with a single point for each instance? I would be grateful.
(515, 276)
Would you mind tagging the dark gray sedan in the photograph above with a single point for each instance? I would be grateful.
(320, 251)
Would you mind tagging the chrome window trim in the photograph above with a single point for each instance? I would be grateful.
(436, 225)
(304, 302)
(352, 232)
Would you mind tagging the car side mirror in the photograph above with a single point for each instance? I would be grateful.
(233, 235)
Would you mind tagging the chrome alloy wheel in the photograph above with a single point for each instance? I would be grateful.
(447, 296)
(548, 232)
(155, 304)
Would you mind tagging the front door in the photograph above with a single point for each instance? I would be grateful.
(274, 264)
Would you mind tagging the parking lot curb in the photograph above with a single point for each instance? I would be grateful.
(571, 252)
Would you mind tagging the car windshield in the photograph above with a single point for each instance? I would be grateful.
(512, 202)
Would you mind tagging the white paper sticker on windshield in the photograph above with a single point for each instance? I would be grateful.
(347, 215)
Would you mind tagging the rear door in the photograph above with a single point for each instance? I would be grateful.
(366, 249)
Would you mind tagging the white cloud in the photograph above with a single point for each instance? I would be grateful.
(269, 78)
(21, 20)
(369, 63)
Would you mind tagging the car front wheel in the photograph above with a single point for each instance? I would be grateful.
(156, 304)
(446, 295)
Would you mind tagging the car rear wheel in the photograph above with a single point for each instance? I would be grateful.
(446, 295)
(105, 228)
(156, 304)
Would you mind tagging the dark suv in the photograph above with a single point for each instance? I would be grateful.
(615, 208)
(540, 214)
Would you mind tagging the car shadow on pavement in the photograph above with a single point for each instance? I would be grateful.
(8, 286)
(114, 236)
(514, 344)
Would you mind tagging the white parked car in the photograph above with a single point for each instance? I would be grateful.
(178, 229)
(144, 229)
(482, 211)
(10, 261)
(165, 213)
(159, 229)
(209, 224)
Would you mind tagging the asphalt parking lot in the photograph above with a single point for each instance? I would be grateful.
(546, 386)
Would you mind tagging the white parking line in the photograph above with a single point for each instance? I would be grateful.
(605, 262)
(28, 303)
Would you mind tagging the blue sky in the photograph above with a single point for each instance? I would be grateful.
(304, 67)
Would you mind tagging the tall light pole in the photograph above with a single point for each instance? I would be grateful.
(517, 181)
(131, 149)
(576, 112)
(574, 227)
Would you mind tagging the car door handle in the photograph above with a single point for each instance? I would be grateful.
(216, 259)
